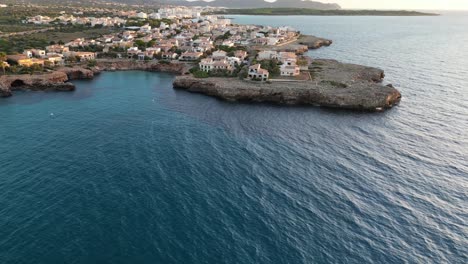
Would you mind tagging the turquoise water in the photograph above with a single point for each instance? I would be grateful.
(127, 170)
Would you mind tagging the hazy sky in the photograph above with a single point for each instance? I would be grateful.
(403, 4)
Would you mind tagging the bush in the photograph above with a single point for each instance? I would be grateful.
(200, 74)
(92, 63)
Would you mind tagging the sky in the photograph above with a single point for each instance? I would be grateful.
(401, 4)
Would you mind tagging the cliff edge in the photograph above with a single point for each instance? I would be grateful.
(53, 81)
(333, 84)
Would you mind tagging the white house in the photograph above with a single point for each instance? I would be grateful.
(256, 72)
(233, 61)
(287, 57)
(219, 55)
(28, 53)
(241, 54)
(142, 15)
(190, 56)
(209, 64)
(289, 69)
(169, 55)
(267, 55)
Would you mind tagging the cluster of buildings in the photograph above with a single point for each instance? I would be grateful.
(53, 55)
(219, 60)
(288, 61)
(183, 35)
(70, 19)
(119, 19)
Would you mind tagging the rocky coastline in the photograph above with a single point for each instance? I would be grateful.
(333, 84)
(53, 81)
(313, 42)
(59, 79)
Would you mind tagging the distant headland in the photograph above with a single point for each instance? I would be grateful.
(317, 12)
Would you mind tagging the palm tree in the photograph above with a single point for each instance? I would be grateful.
(3, 59)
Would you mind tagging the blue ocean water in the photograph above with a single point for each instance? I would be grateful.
(128, 170)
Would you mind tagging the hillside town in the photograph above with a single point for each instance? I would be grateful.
(213, 44)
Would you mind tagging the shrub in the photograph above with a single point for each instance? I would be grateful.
(200, 74)
(335, 84)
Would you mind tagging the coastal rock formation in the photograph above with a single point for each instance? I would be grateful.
(336, 85)
(300, 46)
(53, 81)
(313, 42)
(127, 65)
(58, 80)
(77, 73)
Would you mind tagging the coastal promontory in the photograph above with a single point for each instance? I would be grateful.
(332, 84)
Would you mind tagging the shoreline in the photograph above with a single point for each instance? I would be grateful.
(330, 84)
(335, 84)
(279, 11)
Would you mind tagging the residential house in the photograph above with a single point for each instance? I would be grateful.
(284, 57)
(21, 60)
(133, 51)
(82, 56)
(55, 59)
(289, 69)
(267, 55)
(28, 53)
(209, 64)
(234, 61)
(257, 73)
(260, 41)
(59, 49)
(219, 55)
(169, 55)
(241, 54)
(141, 15)
(190, 56)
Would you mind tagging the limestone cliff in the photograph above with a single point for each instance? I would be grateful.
(336, 85)
(53, 81)
(125, 65)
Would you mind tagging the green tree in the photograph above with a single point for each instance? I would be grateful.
(140, 44)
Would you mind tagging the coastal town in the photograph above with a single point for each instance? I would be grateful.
(210, 53)
(214, 45)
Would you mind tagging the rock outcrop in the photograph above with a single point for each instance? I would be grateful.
(128, 65)
(77, 73)
(58, 79)
(53, 81)
(313, 42)
(335, 85)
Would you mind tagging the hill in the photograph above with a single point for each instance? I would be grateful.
(317, 12)
(257, 4)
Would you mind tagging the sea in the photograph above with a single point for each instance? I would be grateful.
(128, 170)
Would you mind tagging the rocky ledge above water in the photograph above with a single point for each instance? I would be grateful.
(58, 80)
(334, 84)
(53, 81)
(313, 42)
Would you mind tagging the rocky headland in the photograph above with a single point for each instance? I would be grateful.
(300, 45)
(333, 84)
(53, 81)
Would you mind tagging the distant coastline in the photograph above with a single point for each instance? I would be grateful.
(316, 12)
